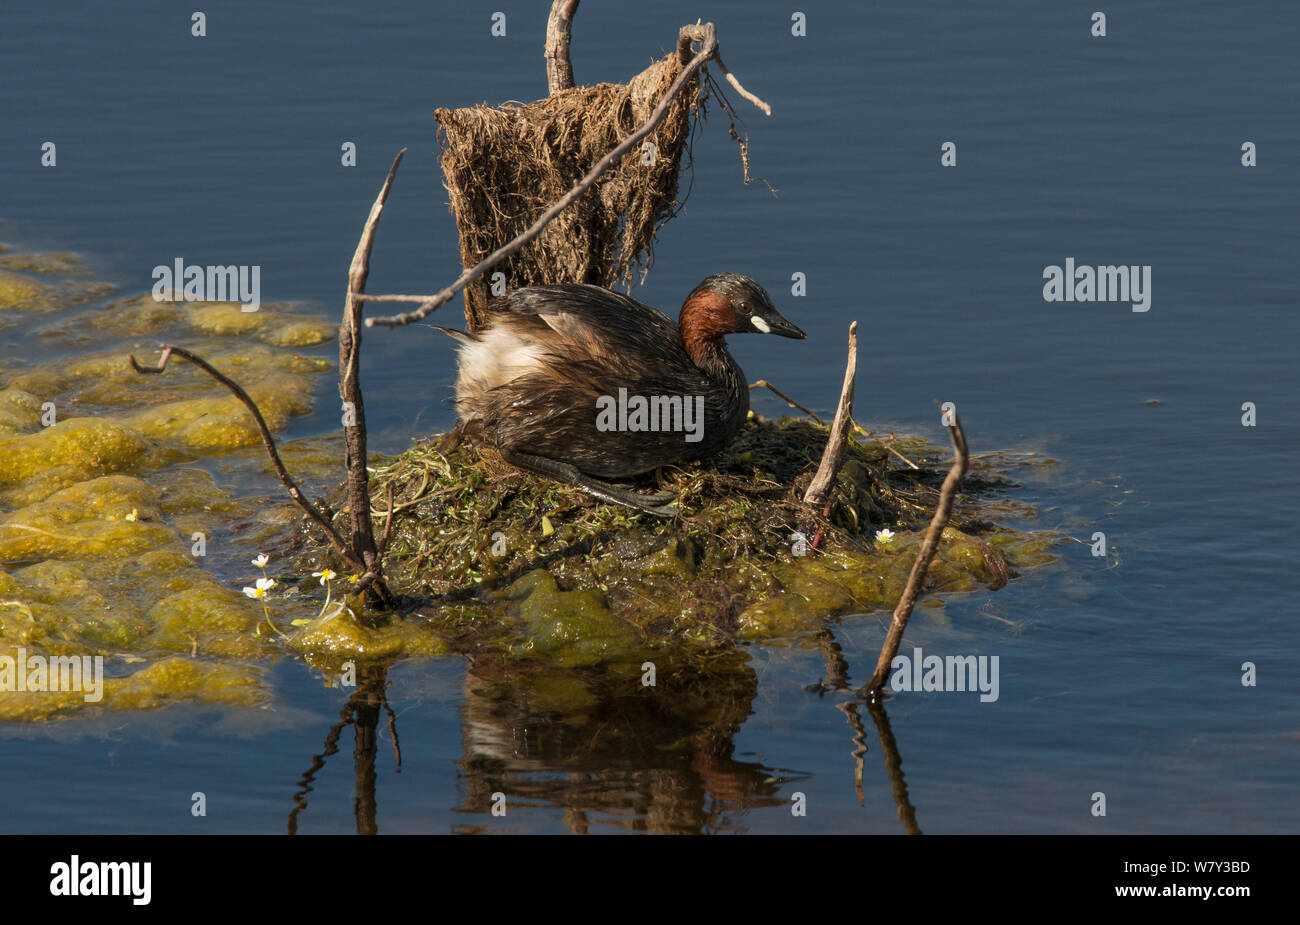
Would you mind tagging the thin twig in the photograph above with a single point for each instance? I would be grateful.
(731, 79)
(903, 612)
(392, 298)
(900, 455)
(764, 384)
(294, 491)
(741, 143)
(708, 37)
(819, 488)
(388, 523)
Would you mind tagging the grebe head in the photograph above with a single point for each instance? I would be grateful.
(728, 303)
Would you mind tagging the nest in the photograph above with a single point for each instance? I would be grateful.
(494, 560)
(505, 165)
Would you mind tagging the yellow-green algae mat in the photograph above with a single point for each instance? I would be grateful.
(103, 512)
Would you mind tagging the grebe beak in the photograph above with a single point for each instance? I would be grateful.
(775, 324)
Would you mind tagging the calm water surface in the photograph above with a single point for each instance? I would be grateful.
(1124, 674)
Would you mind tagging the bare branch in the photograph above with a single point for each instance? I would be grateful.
(294, 491)
(929, 546)
(559, 69)
(363, 531)
(820, 486)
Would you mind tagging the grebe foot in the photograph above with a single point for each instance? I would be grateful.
(452, 439)
(572, 475)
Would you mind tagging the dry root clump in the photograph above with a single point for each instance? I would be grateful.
(505, 165)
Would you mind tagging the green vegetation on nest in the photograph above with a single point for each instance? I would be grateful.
(500, 560)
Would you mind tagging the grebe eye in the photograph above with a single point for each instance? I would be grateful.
(744, 308)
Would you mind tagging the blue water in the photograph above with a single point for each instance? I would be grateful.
(1124, 677)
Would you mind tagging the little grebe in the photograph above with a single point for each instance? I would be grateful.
(547, 381)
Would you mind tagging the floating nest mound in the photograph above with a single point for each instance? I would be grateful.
(505, 165)
(486, 552)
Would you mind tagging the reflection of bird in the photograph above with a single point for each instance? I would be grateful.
(578, 383)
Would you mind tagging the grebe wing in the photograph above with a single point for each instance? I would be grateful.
(591, 315)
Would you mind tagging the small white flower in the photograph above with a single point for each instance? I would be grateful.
(259, 592)
(325, 575)
(885, 536)
(261, 560)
